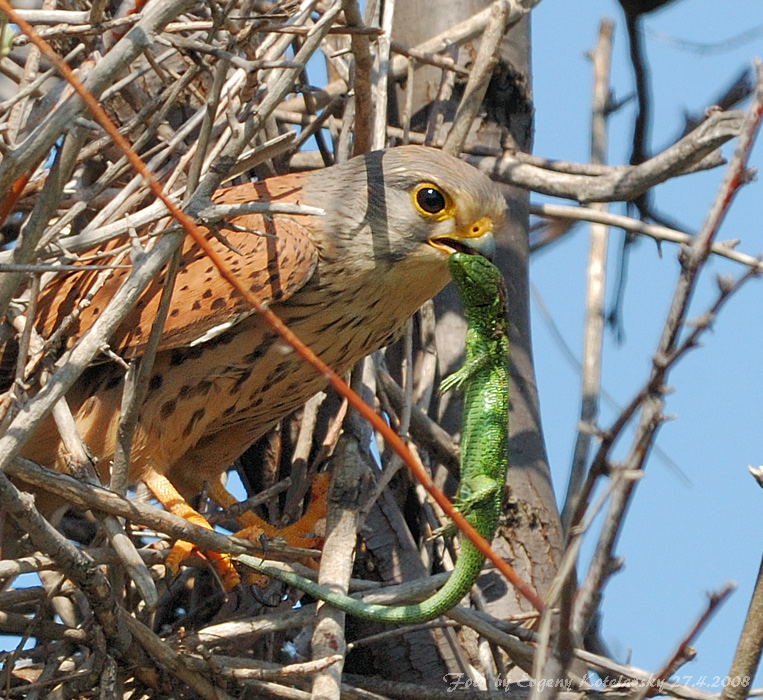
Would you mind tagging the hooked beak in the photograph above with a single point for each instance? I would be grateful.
(474, 239)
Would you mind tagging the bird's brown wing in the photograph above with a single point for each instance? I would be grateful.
(274, 256)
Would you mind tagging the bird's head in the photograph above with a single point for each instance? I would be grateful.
(412, 204)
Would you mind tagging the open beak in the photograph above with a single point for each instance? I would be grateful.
(474, 239)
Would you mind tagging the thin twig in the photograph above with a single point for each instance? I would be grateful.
(166, 657)
(436, 116)
(432, 59)
(80, 568)
(381, 82)
(464, 31)
(683, 651)
(360, 46)
(350, 482)
(553, 657)
(242, 668)
(479, 78)
(595, 276)
(620, 184)
(300, 458)
(650, 399)
(724, 249)
(98, 498)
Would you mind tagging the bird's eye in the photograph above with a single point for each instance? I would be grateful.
(430, 200)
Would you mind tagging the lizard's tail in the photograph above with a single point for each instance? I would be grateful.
(456, 587)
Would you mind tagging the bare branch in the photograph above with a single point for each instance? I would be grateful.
(650, 399)
(724, 249)
(623, 184)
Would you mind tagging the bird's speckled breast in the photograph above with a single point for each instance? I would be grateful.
(207, 403)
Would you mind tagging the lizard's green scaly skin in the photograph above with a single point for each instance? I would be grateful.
(484, 446)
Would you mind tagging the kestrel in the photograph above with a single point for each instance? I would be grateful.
(344, 282)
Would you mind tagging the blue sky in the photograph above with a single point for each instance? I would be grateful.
(685, 533)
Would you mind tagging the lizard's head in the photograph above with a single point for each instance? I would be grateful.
(479, 282)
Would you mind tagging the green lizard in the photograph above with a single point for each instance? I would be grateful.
(484, 446)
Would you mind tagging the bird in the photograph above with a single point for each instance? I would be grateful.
(345, 281)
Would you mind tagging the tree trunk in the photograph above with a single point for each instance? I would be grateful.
(531, 533)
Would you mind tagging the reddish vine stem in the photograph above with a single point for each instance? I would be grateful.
(304, 351)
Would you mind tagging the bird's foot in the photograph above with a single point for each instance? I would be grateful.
(223, 564)
(298, 534)
(171, 499)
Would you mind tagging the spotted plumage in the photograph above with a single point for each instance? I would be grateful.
(345, 282)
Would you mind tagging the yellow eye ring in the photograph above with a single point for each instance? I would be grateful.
(430, 201)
